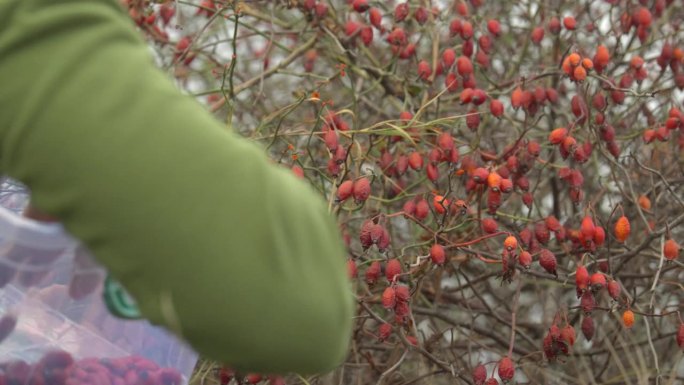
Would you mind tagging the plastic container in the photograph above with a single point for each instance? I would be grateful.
(53, 288)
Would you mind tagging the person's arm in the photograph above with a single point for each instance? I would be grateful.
(213, 241)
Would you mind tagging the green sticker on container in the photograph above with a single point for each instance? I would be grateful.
(118, 301)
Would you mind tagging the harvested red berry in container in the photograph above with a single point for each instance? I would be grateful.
(62, 321)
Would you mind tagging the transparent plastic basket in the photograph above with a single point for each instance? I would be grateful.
(53, 288)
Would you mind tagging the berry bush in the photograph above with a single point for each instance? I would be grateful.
(507, 175)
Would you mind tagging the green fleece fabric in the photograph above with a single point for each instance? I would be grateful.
(215, 243)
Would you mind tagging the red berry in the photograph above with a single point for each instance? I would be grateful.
(384, 331)
(424, 70)
(568, 334)
(373, 272)
(437, 254)
(403, 294)
(670, 251)
(415, 160)
(506, 369)
(494, 27)
(400, 12)
(392, 269)
(525, 259)
(587, 228)
(587, 302)
(345, 190)
(598, 281)
(479, 374)
(360, 5)
(361, 189)
(489, 225)
(422, 209)
(496, 108)
(599, 236)
(569, 23)
(582, 278)
(421, 15)
(389, 297)
(464, 66)
(537, 35)
(547, 260)
(375, 17)
(614, 290)
(448, 57)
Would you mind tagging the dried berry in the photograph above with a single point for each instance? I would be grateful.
(568, 334)
(392, 269)
(587, 302)
(403, 294)
(361, 189)
(547, 260)
(389, 297)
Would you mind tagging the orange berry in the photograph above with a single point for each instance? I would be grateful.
(517, 98)
(574, 59)
(622, 229)
(558, 135)
(494, 180)
(567, 67)
(587, 63)
(628, 318)
(510, 243)
(671, 249)
(580, 73)
(644, 202)
(440, 204)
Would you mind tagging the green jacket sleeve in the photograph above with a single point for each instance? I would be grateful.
(215, 243)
